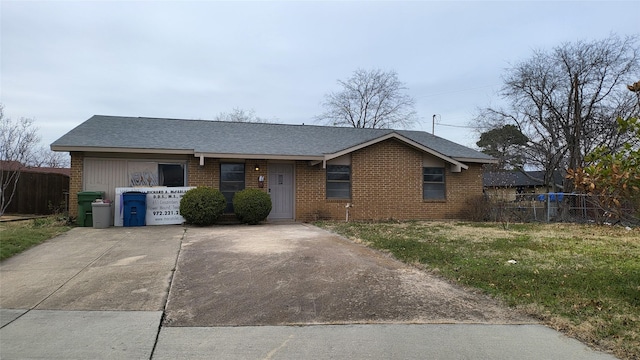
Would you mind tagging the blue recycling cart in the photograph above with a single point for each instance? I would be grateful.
(134, 208)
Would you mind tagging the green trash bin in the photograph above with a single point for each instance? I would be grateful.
(85, 212)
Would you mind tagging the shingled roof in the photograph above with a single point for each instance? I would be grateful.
(234, 139)
(518, 178)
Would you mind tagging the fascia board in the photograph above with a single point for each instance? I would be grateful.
(182, 152)
(478, 160)
(119, 150)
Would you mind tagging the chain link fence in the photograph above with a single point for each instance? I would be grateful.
(554, 207)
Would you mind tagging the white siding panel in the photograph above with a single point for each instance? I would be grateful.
(429, 160)
(341, 160)
(105, 175)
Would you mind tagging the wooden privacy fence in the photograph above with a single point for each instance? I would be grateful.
(39, 193)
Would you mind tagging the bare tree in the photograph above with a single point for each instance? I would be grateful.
(240, 115)
(369, 99)
(44, 157)
(566, 101)
(18, 140)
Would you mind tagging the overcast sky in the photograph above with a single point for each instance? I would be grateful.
(64, 61)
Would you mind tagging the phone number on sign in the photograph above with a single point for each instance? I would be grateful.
(167, 212)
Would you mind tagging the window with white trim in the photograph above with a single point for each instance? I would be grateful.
(338, 182)
(433, 185)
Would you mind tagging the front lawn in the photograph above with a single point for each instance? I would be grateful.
(17, 236)
(581, 279)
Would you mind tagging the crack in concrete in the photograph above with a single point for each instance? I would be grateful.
(166, 298)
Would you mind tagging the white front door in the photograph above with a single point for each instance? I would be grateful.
(281, 191)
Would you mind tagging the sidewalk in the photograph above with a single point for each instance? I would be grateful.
(132, 335)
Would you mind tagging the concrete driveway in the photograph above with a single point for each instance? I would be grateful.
(172, 292)
(94, 269)
(299, 274)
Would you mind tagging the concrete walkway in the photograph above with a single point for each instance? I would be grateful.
(103, 293)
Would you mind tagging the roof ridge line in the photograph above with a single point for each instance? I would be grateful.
(252, 122)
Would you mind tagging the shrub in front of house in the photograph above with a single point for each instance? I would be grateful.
(202, 206)
(251, 205)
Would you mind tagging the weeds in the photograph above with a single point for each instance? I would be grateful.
(581, 279)
(18, 236)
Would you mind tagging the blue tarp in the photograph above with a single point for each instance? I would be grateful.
(552, 197)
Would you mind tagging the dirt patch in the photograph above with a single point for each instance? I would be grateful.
(299, 274)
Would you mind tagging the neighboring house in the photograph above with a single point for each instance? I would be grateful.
(518, 185)
(13, 165)
(311, 172)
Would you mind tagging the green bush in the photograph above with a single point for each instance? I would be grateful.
(251, 205)
(202, 205)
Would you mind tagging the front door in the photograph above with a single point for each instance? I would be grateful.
(281, 191)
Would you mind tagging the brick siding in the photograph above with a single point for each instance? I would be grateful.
(75, 182)
(386, 183)
(251, 175)
(209, 174)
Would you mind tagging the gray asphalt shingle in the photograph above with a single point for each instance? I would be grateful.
(518, 178)
(203, 136)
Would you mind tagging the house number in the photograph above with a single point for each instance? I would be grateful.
(280, 179)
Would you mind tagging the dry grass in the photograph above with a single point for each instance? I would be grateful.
(581, 279)
(17, 236)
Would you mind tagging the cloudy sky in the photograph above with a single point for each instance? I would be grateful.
(64, 61)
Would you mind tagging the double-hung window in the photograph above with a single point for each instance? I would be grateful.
(338, 182)
(433, 185)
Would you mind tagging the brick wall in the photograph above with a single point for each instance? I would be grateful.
(75, 182)
(251, 175)
(386, 183)
(207, 175)
(310, 198)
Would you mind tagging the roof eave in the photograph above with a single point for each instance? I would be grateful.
(185, 152)
(477, 160)
(119, 150)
